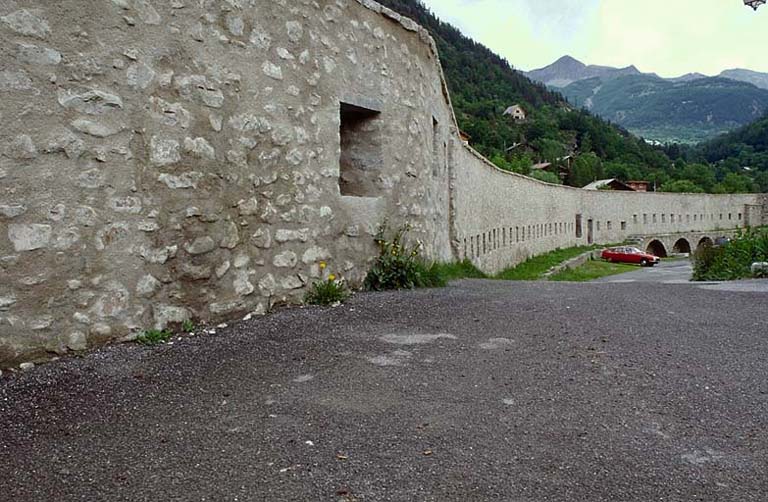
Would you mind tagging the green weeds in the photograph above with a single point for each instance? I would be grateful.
(327, 292)
(399, 265)
(732, 260)
(154, 337)
(591, 270)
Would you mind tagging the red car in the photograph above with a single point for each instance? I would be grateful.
(630, 255)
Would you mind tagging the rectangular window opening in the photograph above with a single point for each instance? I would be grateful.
(579, 230)
(361, 159)
(435, 147)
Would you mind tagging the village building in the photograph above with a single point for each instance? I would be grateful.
(609, 184)
(516, 112)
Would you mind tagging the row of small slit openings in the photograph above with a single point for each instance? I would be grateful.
(498, 238)
(478, 245)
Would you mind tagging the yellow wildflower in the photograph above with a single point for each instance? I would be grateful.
(332, 277)
(323, 265)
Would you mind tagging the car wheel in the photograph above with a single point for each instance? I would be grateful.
(643, 262)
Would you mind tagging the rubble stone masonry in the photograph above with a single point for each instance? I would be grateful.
(177, 159)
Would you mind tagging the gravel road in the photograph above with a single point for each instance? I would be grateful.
(485, 390)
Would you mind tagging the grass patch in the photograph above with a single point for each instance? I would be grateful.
(327, 292)
(154, 337)
(458, 270)
(593, 269)
(533, 268)
(676, 258)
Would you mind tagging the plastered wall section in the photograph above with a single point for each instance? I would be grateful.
(163, 161)
(501, 219)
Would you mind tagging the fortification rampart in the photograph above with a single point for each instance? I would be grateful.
(197, 159)
(504, 218)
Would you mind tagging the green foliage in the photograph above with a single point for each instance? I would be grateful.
(399, 265)
(327, 292)
(743, 152)
(534, 268)
(547, 177)
(681, 186)
(732, 260)
(458, 270)
(734, 183)
(593, 269)
(586, 169)
(154, 337)
(188, 326)
(520, 164)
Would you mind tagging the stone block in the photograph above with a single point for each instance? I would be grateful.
(28, 237)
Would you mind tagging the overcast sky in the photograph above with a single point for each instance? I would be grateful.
(669, 37)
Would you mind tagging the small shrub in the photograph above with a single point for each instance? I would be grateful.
(399, 265)
(327, 292)
(154, 337)
(732, 260)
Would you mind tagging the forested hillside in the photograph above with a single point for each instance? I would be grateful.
(483, 85)
(741, 155)
(686, 111)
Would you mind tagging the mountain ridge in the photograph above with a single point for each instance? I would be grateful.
(688, 109)
(569, 69)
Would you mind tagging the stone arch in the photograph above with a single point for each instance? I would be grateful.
(656, 247)
(682, 246)
(705, 242)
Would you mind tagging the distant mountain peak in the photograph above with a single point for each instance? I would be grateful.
(568, 69)
(688, 77)
(753, 77)
(567, 60)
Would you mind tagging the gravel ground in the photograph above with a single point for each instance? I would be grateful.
(485, 390)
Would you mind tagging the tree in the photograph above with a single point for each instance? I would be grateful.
(546, 176)
(681, 186)
(700, 174)
(762, 181)
(586, 169)
(734, 183)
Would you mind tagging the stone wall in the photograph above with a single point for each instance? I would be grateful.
(180, 159)
(161, 161)
(503, 218)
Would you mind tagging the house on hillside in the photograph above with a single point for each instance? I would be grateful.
(516, 112)
(560, 170)
(639, 186)
(609, 184)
